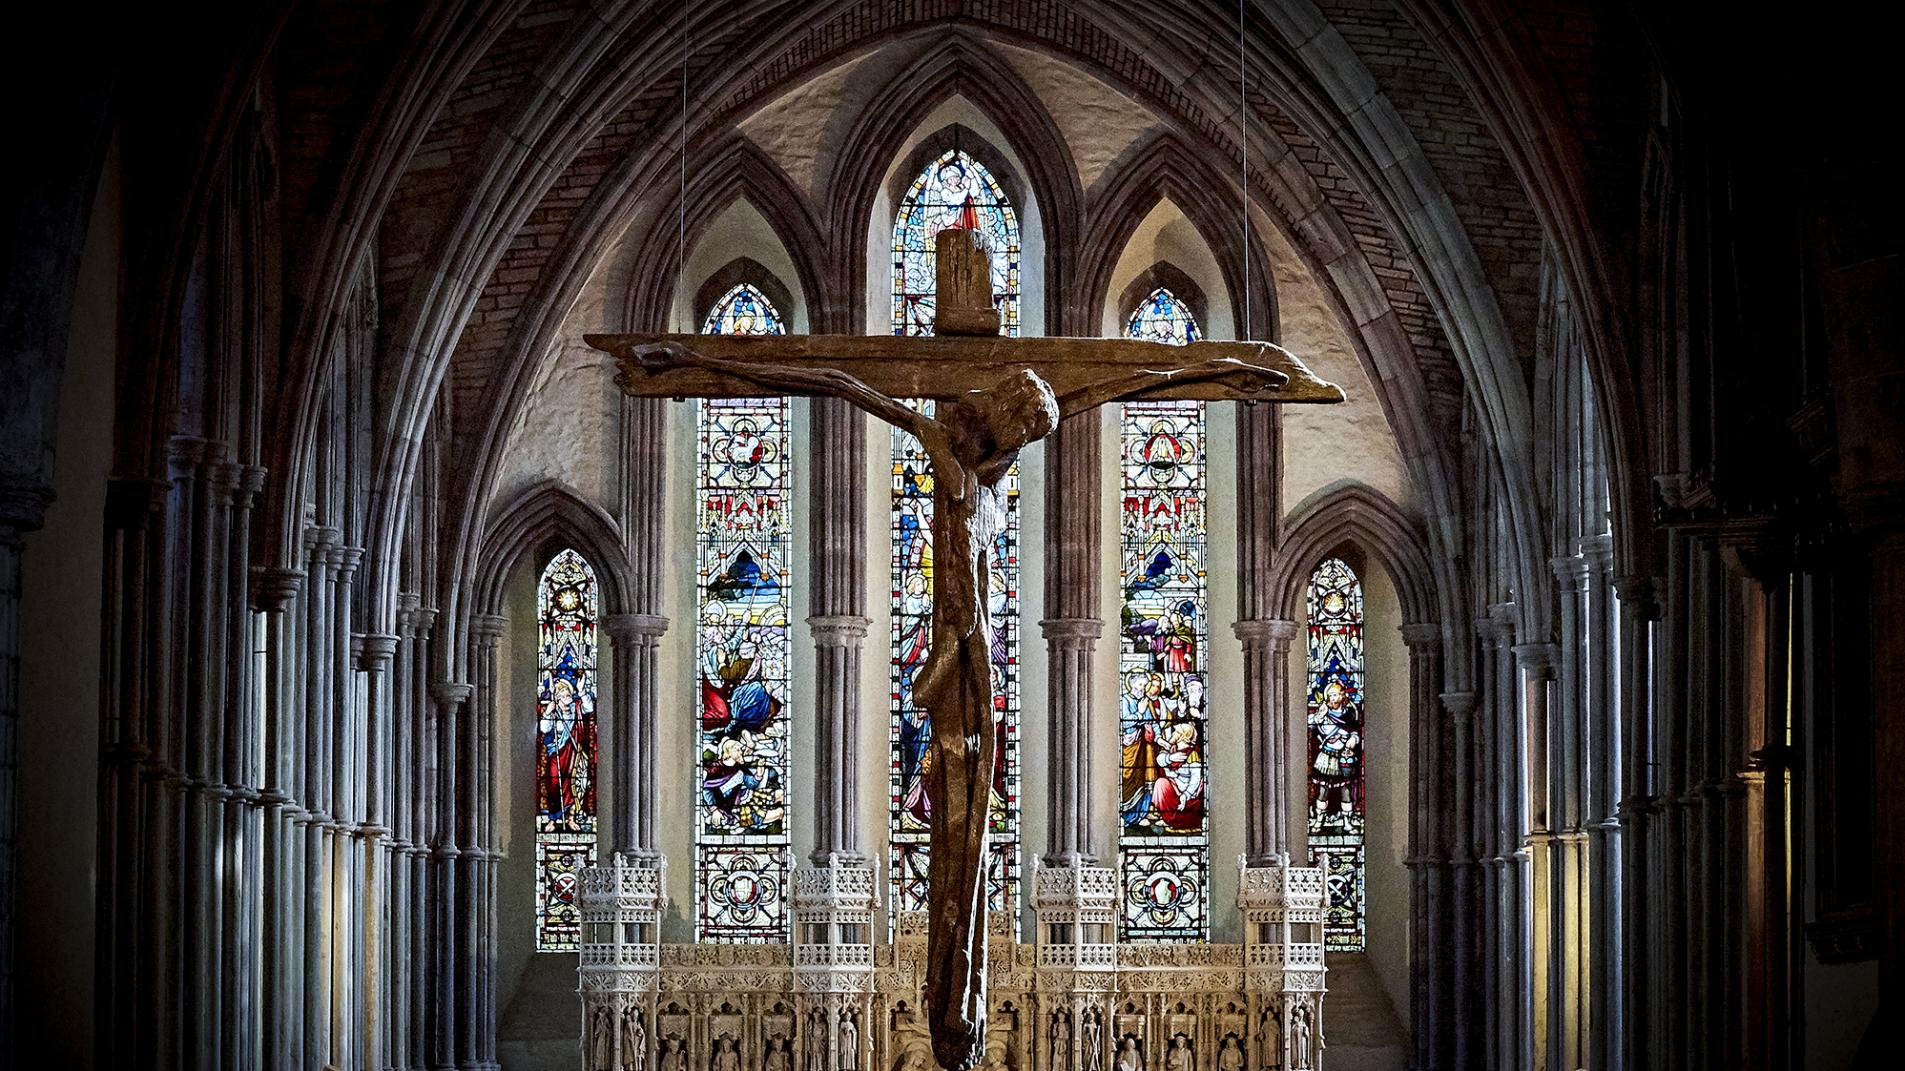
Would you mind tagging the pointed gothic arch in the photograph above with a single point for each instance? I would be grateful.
(958, 66)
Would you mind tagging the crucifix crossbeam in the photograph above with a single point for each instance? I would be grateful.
(949, 367)
(997, 396)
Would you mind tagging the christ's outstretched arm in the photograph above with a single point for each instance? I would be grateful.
(1229, 371)
(826, 382)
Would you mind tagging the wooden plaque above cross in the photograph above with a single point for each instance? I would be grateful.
(996, 395)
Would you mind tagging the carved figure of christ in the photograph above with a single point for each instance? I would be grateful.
(986, 415)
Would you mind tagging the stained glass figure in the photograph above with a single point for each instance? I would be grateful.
(1335, 717)
(954, 191)
(743, 310)
(743, 650)
(911, 731)
(1164, 842)
(566, 613)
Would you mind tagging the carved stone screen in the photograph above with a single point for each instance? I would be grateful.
(743, 650)
(1164, 842)
(1335, 717)
(566, 615)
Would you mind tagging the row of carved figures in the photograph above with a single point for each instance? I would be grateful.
(620, 1043)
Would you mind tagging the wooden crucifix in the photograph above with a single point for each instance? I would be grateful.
(996, 395)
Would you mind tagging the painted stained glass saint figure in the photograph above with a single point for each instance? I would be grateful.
(566, 746)
(954, 191)
(1335, 719)
(742, 648)
(1164, 845)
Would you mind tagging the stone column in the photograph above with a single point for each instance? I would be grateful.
(22, 510)
(1428, 856)
(838, 640)
(1640, 610)
(1601, 813)
(277, 592)
(1267, 714)
(486, 633)
(1566, 743)
(377, 652)
(633, 643)
(1073, 539)
(1461, 1011)
(834, 897)
(1497, 773)
(1534, 864)
(449, 967)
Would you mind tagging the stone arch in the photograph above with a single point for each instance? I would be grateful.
(1168, 276)
(958, 67)
(734, 170)
(1368, 519)
(1165, 169)
(545, 514)
(734, 273)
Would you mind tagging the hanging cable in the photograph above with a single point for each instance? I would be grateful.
(1243, 158)
(681, 206)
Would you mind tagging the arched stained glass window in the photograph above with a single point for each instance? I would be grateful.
(1164, 838)
(1335, 610)
(743, 310)
(743, 651)
(566, 613)
(955, 190)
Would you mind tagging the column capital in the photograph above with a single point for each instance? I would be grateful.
(1072, 631)
(1270, 631)
(1417, 635)
(488, 626)
(838, 630)
(1498, 625)
(1537, 658)
(1571, 571)
(23, 505)
(1640, 594)
(275, 586)
(374, 649)
(450, 694)
(638, 629)
(1460, 705)
(318, 536)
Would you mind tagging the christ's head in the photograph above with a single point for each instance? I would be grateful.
(1022, 410)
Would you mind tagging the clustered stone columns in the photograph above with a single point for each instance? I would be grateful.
(1499, 807)
(1072, 505)
(634, 642)
(22, 510)
(1428, 859)
(1266, 673)
(482, 849)
(1463, 945)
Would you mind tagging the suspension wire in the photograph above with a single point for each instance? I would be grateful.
(681, 207)
(1243, 158)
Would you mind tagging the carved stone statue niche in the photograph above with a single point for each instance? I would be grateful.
(995, 397)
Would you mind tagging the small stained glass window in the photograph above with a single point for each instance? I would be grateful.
(1335, 717)
(566, 615)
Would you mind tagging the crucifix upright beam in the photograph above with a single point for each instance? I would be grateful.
(996, 396)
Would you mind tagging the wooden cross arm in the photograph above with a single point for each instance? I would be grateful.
(1080, 370)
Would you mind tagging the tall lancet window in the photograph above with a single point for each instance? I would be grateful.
(566, 612)
(1164, 840)
(742, 650)
(955, 191)
(1335, 607)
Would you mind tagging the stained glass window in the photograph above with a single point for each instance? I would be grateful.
(1335, 608)
(954, 190)
(565, 752)
(1164, 839)
(742, 650)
